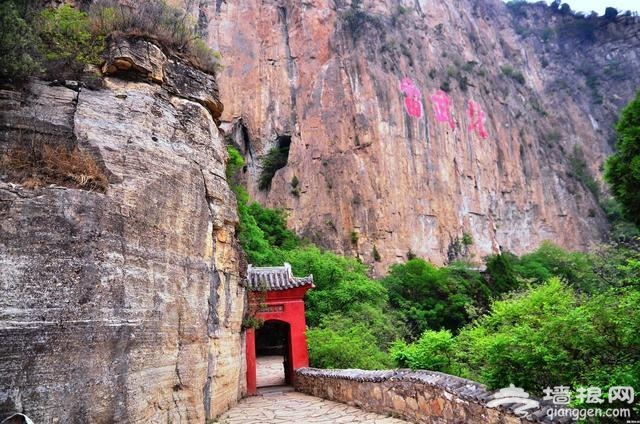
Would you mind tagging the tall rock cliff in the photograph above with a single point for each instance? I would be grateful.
(411, 123)
(119, 303)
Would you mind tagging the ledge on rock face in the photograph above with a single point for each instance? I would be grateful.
(137, 56)
(188, 82)
(145, 59)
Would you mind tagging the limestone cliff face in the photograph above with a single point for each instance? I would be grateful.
(328, 73)
(123, 306)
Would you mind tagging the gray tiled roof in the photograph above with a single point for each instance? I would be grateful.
(275, 278)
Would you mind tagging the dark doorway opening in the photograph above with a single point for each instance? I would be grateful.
(273, 354)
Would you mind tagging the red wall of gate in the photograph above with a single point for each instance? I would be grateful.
(285, 306)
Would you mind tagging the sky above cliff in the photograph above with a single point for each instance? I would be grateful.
(599, 6)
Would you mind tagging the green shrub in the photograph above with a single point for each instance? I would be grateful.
(375, 254)
(549, 336)
(170, 27)
(575, 268)
(622, 170)
(535, 339)
(342, 284)
(67, 43)
(273, 224)
(275, 159)
(434, 351)
(433, 298)
(513, 74)
(354, 347)
(581, 172)
(234, 163)
(18, 45)
(252, 238)
(502, 274)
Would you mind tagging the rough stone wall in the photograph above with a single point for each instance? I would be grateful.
(123, 306)
(328, 77)
(417, 396)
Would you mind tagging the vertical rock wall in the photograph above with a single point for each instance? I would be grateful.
(123, 306)
(327, 74)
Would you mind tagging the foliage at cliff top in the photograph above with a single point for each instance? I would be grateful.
(60, 42)
(171, 27)
(622, 170)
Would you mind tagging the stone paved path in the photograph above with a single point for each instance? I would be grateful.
(297, 408)
(269, 371)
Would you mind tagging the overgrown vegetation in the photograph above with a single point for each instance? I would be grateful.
(58, 42)
(67, 41)
(61, 42)
(18, 45)
(546, 318)
(539, 337)
(356, 20)
(39, 164)
(580, 170)
(622, 170)
(276, 158)
(512, 73)
(156, 20)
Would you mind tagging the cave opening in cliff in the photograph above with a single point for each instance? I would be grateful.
(276, 158)
(273, 353)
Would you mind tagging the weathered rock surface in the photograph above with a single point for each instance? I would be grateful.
(142, 59)
(327, 75)
(123, 306)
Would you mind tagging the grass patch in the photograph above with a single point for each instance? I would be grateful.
(512, 73)
(44, 164)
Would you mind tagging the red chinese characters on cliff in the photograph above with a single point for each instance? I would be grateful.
(476, 119)
(412, 99)
(442, 108)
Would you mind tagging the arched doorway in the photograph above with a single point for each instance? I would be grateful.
(273, 354)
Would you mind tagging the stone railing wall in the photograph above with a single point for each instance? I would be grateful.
(416, 396)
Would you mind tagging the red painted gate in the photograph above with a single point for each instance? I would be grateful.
(278, 297)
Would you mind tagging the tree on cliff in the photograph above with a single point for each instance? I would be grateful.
(623, 168)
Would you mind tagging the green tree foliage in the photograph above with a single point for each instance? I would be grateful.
(427, 297)
(501, 269)
(434, 351)
(234, 164)
(544, 336)
(533, 340)
(276, 158)
(353, 347)
(273, 224)
(550, 260)
(252, 238)
(59, 41)
(18, 45)
(67, 43)
(622, 170)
